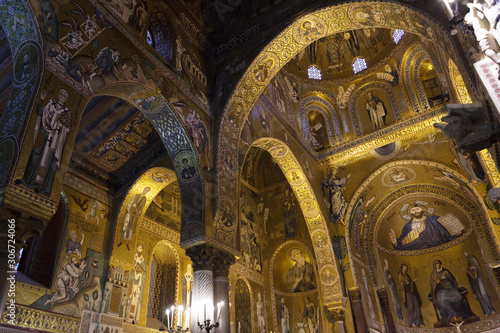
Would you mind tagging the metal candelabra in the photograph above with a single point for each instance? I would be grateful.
(178, 329)
(206, 326)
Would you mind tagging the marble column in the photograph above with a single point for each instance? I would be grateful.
(203, 284)
(222, 261)
(386, 310)
(15, 229)
(357, 310)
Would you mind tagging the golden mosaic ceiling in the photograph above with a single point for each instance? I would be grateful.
(334, 54)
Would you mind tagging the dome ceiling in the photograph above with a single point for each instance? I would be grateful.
(335, 54)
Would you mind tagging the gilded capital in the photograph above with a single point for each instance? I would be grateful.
(355, 293)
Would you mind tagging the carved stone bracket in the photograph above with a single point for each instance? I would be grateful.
(470, 126)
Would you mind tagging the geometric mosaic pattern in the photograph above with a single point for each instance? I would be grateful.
(34, 319)
(23, 34)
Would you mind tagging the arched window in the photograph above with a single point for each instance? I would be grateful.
(160, 34)
(149, 38)
(359, 64)
(397, 35)
(314, 73)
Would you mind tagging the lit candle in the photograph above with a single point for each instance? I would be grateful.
(179, 315)
(172, 309)
(187, 317)
(168, 318)
(211, 311)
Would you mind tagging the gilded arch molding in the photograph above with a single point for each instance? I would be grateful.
(330, 289)
(282, 49)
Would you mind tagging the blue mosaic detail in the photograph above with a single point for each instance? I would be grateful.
(21, 28)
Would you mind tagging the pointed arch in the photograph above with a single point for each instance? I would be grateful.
(155, 303)
(281, 50)
(329, 290)
(180, 148)
(139, 196)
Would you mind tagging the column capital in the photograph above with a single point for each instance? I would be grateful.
(382, 293)
(207, 257)
(334, 314)
(221, 263)
(354, 293)
(202, 256)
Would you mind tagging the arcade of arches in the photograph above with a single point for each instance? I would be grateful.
(278, 156)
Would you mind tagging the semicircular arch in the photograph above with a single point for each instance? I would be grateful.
(162, 249)
(319, 102)
(354, 100)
